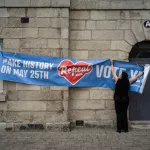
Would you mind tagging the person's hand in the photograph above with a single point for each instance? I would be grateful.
(111, 61)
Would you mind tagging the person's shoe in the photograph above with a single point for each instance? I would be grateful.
(119, 131)
(126, 131)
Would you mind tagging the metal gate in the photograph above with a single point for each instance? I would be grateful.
(139, 106)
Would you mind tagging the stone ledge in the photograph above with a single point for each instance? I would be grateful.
(139, 124)
(58, 127)
(95, 124)
(52, 127)
(35, 3)
(28, 127)
(6, 126)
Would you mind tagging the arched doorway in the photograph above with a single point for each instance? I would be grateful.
(139, 108)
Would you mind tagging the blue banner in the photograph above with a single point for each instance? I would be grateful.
(54, 71)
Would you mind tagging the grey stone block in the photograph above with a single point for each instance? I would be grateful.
(6, 126)
(58, 127)
(29, 127)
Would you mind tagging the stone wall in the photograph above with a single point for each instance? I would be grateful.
(99, 34)
(88, 30)
(45, 34)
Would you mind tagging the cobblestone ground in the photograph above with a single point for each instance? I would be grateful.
(78, 139)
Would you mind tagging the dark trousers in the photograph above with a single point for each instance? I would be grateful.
(121, 114)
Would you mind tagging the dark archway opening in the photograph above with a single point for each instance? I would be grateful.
(139, 103)
(140, 50)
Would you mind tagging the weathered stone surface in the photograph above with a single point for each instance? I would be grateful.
(44, 52)
(31, 12)
(64, 33)
(45, 117)
(66, 95)
(15, 22)
(17, 3)
(2, 97)
(90, 24)
(90, 45)
(2, 126)
(130, 38)
(147, 33)
(11, 33)
(49, 33)
(12, 43)
(16, 12)
(115, 55)
(58, 127)
(109, 4)
(1, 86)
(26, 106)
(2, 3)
(33, 23)
(65, 104)
(144, 14)
(11, 86)
(64, 52)
(58, 88)
(29, 95)
(1, 29)
(80, 35)
(28, 127)
(101, 94)
(80, 15)
(105, 115)
(120, 45)
(123, 24)
(62, 3)
(107, 35)
(12, 50)
(87, 104)
(54, 106)
(79, 54)
(112, 15)
(137, 29)
(65, 12)
(77, 24)
(109, 104)
(127, 4)
(33, 43)
(64, 43)
(3, 22)
(59, 22)
(13, 96)
(25, 87)
(16, 116)
(3, 12)
(82, 115)
(52, 95)
(124, 15)
(54, 43)
(3, 107)
(135, 15)
(48, 12)
(39, 3)
(79, 94)
(30, 32)
(106, 25)
(98, 15)
(98, 124)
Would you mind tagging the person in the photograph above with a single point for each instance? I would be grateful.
(121, 98)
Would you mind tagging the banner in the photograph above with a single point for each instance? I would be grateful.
(54, 71)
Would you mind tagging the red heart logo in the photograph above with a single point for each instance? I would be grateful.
(73, 72)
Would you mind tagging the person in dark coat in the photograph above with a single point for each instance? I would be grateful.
(121, 98)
